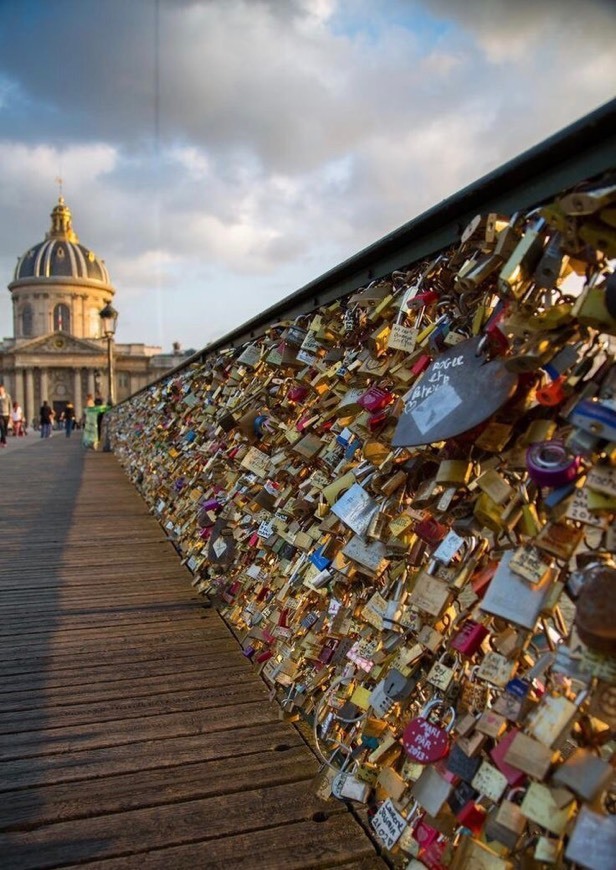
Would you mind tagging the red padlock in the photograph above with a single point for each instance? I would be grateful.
(472, 816)
(297, 393)
(420, 365)
(469, 638)
(425, 742)
(430, 531)
(378, 420)
(283, 619)
(421, 299)
(552, 394)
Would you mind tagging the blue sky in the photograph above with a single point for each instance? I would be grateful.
(261, 142)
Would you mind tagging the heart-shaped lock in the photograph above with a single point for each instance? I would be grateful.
(424, 741)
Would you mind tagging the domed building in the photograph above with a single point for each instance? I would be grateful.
(58, 352)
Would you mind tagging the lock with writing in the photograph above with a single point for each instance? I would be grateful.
(425, 740)
(443, 671)
(475, 694)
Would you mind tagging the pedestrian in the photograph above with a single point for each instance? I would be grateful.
(5, 413)
(98, 403)
(46, 419)
(17, 416)
(69, 418)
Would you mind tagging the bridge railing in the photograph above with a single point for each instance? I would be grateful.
(398, 485)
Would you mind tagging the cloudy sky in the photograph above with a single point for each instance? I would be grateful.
(219, 154)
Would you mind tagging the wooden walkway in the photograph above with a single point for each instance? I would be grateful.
(133, 732)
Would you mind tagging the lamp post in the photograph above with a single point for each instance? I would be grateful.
(109, 320)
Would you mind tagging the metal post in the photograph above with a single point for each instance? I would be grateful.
(110, 385)
(110, 393)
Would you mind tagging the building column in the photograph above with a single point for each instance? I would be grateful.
(44, 386)
(91, 385)
(78, 400)
(29, 407)
(18, 396)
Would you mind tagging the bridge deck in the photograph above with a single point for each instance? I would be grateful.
(133, 733)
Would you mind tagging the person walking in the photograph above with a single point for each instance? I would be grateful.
(46, 418)
(69, 418)
(5, 413)
(17, 416)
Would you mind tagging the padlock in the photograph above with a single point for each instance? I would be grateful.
(475, 694)
(460, 764)
(425, 742)
(375, 399)
(514, 278)
(529, 755)
(496, 669)
(491, 723)
(430, 530)
(508, 596)
(593, 840)
(469, 638)
(539, 805)
(472, 816)
(584, 773)
(430, 594)
(591, 309)
(346, 786)
(554, 713)
(506, 823)
(442, 672)
(431, 790)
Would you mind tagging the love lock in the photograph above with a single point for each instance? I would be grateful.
(424, 741)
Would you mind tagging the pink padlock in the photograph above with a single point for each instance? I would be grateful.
(375, 399)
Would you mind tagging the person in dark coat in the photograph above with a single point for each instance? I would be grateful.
(69, 418)
(46, 418)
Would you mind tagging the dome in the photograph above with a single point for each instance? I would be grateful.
(61, 255)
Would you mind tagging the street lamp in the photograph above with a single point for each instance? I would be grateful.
(109, 319)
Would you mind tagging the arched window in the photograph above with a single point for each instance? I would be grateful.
(26, 319)
(62, 318)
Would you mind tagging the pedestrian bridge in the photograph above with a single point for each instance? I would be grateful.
(133, 732)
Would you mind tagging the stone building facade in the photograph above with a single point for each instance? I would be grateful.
(57, 351)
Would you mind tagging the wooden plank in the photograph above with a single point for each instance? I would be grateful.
(24, 810)
(134, 707)
(126, 633)
(172, 824)
(75, 668)
(146, 755)
(96, 691)
(45, 741)
(305, 845)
